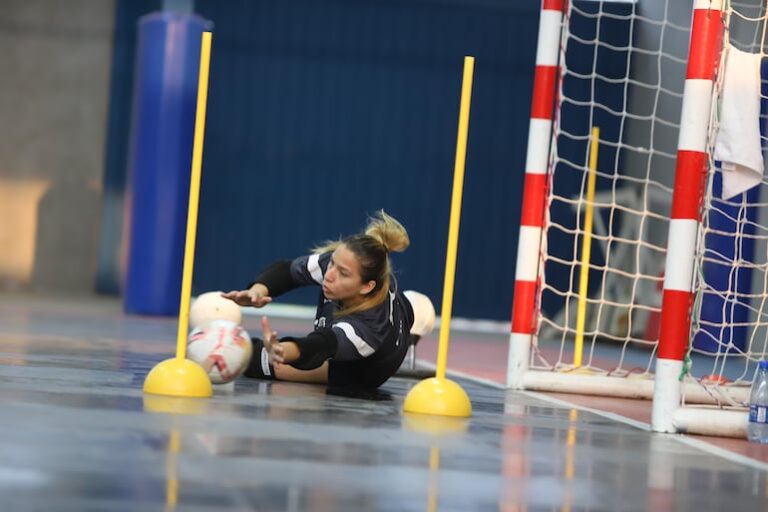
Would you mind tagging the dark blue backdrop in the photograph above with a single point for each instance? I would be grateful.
(321, 112)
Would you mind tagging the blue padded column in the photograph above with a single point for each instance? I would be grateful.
(160, 157)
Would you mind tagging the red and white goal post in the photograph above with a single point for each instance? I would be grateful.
(634, 277)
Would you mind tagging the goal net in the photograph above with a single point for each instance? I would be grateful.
(635, 246)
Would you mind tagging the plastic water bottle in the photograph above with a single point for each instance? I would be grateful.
(757, 428)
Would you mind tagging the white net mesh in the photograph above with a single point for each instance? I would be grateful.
(623, 69)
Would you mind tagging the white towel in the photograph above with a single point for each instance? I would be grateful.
(738, 140)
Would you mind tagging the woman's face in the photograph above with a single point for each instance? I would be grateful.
(342, 281)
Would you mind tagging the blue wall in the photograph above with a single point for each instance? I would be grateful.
(321, 112)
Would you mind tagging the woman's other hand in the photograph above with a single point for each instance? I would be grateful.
(272, 344)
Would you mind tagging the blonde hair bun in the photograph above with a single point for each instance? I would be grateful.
(388, 231)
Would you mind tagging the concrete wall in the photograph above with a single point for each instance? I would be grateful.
(53, 104)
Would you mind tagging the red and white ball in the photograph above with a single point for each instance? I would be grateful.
(222, 348)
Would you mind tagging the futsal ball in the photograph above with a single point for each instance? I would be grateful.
(423, 313)
(222, 348)
(212, 306)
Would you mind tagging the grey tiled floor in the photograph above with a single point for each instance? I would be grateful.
(77, 433)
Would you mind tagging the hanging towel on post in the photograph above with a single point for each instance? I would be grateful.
(737, 145)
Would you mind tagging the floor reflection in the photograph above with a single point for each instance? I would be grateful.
(77, 433)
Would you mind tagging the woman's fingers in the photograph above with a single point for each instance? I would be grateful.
(276, 351)
(231, 295)
(247, 298)
(277, 354)
(258, 300)
(266, 331)
(239, 297)
(262, 301)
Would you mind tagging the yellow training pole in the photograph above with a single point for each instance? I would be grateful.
(194, 196)
(586, 248)
(453, 226)
(439, 395)
(179, 376)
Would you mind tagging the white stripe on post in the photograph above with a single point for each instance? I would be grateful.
(548, 45)
(517, 361)
(708, 4)
(682, 241)
(666, 395)
(694, 119)
(527, 260)
(537, 155)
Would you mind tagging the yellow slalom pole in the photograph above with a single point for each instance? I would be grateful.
(438, 395)
(194, 196)
(178, 376)
(586, 249)
(453, 226)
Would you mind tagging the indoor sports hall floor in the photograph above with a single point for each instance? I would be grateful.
(78, 434)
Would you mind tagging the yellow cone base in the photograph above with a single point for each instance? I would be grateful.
(178, 377)
(175, 404)
(441, 397)
(435, 425)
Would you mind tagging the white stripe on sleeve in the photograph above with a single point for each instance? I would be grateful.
(313, 266)
(362, 347)
(265, 362)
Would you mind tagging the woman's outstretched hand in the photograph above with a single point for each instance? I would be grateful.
(257, 296)
(272, 344)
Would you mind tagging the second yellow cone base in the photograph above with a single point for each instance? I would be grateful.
(175, 404)
(178, 377)
(440, 397)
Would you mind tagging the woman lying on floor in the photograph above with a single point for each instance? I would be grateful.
(363, 322)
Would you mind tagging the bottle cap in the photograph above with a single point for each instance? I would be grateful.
(763, 365)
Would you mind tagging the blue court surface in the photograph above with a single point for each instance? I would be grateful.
(78, 434)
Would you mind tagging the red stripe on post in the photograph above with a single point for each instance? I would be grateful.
(690, 176)
(534, 192)
(543, 92)
(706, 38)
(552, 5)
(675, 324)
(523, 309)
